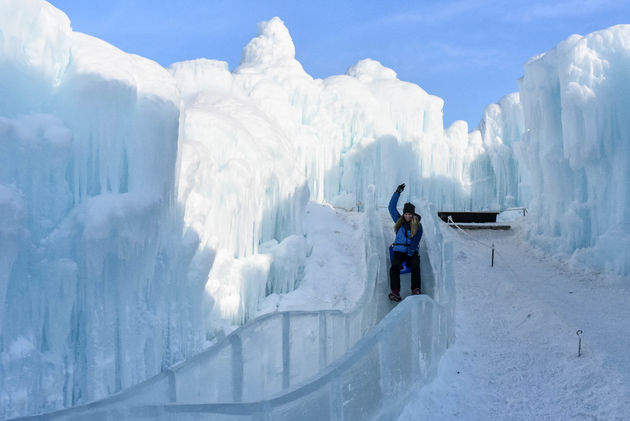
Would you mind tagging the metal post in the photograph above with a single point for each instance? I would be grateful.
(493, 255)
(579, 333)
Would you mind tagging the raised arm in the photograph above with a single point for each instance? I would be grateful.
(392, 206)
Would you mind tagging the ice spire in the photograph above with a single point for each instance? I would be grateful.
(273, 45)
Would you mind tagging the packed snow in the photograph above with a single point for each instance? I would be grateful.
(517, 355)
(147, 211)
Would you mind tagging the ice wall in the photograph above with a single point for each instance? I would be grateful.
(90, 249)
(494, 172)
(576, 148)
(343, 132)
(242, 191)
(145, 209)
(560, 147)
(268, 132)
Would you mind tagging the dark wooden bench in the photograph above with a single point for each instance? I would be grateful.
(469, 217)
(473, 220)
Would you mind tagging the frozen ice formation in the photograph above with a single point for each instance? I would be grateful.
(144, 209)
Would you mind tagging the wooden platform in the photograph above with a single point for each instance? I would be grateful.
(469, 217)
(480, 226)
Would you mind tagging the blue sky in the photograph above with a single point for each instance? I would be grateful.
(470, 53)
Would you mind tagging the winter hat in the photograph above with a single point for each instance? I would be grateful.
(409, 208)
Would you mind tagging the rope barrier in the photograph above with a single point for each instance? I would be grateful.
(450, 219)
(505, 259)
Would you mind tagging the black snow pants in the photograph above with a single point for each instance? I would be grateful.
(413, 263)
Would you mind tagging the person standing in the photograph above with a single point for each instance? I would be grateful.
(408, 231)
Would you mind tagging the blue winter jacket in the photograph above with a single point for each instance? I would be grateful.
(404, 242)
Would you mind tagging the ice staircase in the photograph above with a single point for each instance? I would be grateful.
(315, 365)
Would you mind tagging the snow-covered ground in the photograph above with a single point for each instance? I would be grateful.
(516, 353)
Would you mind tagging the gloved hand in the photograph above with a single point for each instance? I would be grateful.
(400, 188)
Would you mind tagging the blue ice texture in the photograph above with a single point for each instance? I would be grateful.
(146, 212)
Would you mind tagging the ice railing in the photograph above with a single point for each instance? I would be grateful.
(312, 365)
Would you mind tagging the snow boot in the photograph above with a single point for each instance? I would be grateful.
(395, 296)
(416, 291)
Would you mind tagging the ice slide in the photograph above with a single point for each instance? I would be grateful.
(310, 365)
